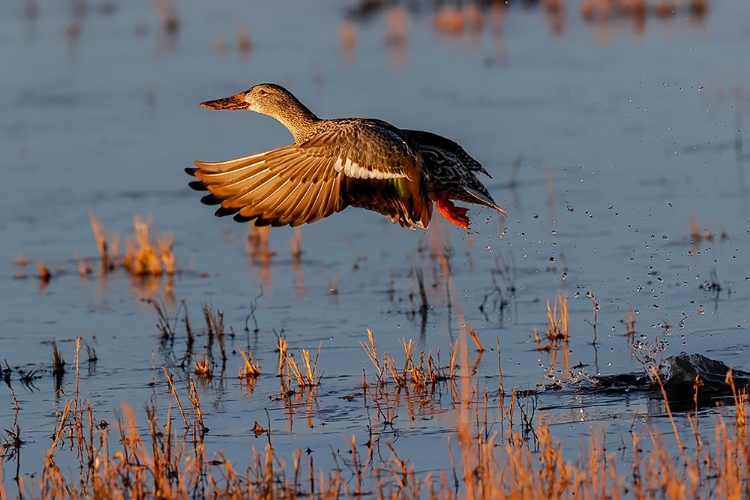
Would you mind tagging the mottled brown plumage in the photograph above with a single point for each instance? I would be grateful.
(338, 163)
(452, 176)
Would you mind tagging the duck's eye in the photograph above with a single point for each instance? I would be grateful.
(262, 92)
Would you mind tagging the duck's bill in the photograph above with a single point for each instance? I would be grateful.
(234, 102)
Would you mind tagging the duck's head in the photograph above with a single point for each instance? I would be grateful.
(266, 98)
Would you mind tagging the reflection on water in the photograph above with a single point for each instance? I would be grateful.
(469, 18)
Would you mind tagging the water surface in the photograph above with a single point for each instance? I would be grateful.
(603, 141)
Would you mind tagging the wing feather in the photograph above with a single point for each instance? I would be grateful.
(352, 162)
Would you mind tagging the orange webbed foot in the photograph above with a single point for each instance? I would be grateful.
(456, 215)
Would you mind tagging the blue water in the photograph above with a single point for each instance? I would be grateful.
(618, 138)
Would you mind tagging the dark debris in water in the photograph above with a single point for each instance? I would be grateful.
(691, 381)
(686, 374)
(712, 376)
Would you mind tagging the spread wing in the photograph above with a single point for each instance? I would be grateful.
(348, 162)
(453, 172)
(427, 141)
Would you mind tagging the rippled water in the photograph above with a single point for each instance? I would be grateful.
(604, 141)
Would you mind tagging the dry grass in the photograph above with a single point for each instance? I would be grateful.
(491, 458)
(697, 235)
(475, 338)
(456, 19)
(605, 10)
(306, 377)
(244, 44)
(203, 367)
(629, 322)
(215, 328)
(348, 36)
(397, 26)
(168, 17)
(557, 328)
(448, 20)
(144, 255)
(109, 258)
(422, 376)
(58, 363)
(557, 324)
(249, 370)
(44, 273)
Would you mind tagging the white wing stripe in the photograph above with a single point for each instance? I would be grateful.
(353, 169)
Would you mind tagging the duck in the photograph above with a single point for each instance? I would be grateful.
(337, 163)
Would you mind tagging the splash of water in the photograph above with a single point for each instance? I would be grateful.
(651, 356)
